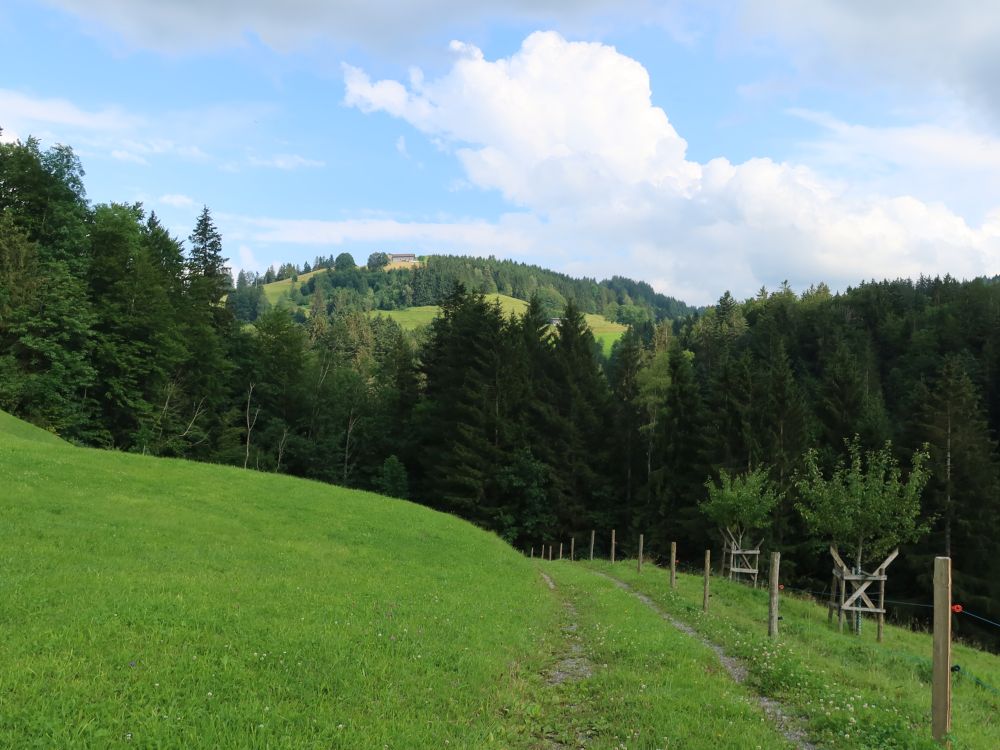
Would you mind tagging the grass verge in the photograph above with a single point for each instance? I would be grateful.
(851, 691)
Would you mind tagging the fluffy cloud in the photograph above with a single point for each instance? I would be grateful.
(177, 200)
(19, 110)
(568, 131)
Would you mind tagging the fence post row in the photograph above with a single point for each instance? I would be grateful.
(941, 686)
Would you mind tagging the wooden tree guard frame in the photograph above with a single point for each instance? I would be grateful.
(858, 601)
(741, 561)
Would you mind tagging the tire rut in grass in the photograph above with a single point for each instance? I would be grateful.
(573, 666)
(788, 726)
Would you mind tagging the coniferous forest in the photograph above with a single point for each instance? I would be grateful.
(116, 334)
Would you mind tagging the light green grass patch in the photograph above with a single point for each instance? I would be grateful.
(652, 686)
(12, 427)
(854, 692)
(173, 604)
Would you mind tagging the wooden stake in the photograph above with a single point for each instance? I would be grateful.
(550, 553)
(772, 610)
(532, 553)
(840, 609)
(941, 688)
(612, 545)
(592, 532)
(639, 569)
(673, 565)
(572, 548)
(708, 572)
(833, 599)
(560, 550)
(881, 605)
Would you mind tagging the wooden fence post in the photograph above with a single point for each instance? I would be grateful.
(532, 553)
(941, 689)
(772, 610)
(572, 548)
(592, 532)
(881, 604)
(639, 569)
(708, 572)
(550, 553)
(612, 545)
(560, 550)
(673, 565)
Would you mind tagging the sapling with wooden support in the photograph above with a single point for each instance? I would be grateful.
(868, 510)
(740, 504)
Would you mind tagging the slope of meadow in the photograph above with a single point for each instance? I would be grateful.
(188, 605)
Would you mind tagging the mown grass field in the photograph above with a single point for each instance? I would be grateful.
(172, 604)
(606, 332)
(278, 290)
(851, 691)
(160, 603)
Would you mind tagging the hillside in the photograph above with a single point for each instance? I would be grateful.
(184, 605)
(175, 604)
(189, 605)
(411, 293)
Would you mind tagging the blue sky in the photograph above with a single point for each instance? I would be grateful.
(698, 146)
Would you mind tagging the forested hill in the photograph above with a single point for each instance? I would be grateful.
(113, 333)
(344, 286)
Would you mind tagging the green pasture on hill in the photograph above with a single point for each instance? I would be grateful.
(849, 691)
(160, 603)
(606, 332)
(183, 605)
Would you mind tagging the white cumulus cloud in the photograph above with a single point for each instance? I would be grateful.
(568, 131)
(177, 200)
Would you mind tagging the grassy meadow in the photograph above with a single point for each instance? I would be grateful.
(851, 691)
(161, 603)
(174, 604)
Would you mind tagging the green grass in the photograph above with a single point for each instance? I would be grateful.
(605, 331)
(652, 686)
(278, 290)
(186, 605)
(173, 605)
(853, 692)
(20, 430)
(170, 604)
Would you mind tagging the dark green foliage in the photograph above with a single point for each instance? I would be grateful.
(377, 261)
(392, 479)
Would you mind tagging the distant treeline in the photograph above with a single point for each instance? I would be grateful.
(113, 333)
(343, 286)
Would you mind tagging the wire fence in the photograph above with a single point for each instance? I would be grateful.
(957, 609)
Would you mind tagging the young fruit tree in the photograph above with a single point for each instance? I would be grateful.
(865, 506)
(740, 504)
